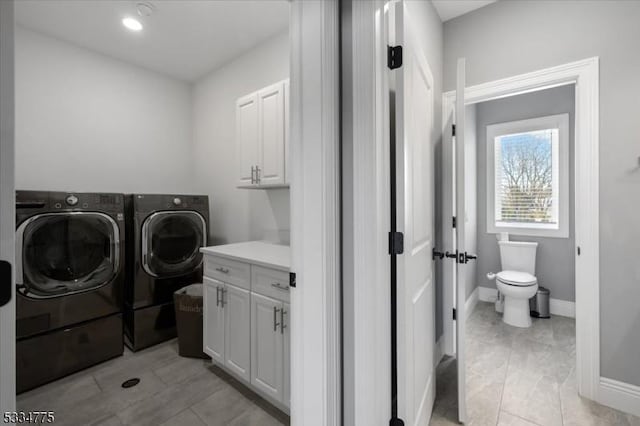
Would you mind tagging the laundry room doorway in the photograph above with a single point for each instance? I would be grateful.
(207, 107)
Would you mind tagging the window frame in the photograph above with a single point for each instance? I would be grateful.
(559, 121)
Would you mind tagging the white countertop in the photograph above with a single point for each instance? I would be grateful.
(260, 253)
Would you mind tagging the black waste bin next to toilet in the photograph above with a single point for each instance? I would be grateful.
(539, 304)
(189, 317)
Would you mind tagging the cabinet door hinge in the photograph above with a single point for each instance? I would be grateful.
(454, 314)
(453, 130)
(394, 57)
(292, 279)
(454, 222)
(396, 243)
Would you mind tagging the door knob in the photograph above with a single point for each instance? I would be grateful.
(437, 254)
(468, 257)
(451, 255)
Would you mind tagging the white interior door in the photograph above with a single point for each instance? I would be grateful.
(414, 108)
(247, 140)
(7, 212)
(460, 248)
(271, 131)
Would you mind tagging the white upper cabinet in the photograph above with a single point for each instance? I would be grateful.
(261, 133)
(247, 140)
(271, 132)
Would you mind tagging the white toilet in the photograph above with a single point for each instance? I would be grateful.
(517, 281)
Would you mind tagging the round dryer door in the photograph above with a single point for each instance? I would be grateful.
(171, 242)
(62, 253)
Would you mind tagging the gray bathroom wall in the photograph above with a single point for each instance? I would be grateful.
(514, 37)
(555, 259)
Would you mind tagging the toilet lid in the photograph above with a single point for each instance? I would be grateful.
(516, 278)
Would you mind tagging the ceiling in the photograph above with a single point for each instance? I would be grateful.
(449, 9)
(185, 39)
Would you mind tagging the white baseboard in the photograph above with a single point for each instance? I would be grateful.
(619, 395)
(438, 351)
(486, 294)
(558, 307)
(472, 302)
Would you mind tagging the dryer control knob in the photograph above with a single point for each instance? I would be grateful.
(71, 200)
(177, 201)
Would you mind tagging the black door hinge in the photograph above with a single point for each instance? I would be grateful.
(292, 279)
(396, 243)
(394, 57)
(454, 222)
(454, 314)
(6, 282)
(453, 130)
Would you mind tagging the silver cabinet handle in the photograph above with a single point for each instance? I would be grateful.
(258, 175)
(223, 270)
(280, 286)
(217, 296)
(253, 170)
(282, 324)
(275, 319)
(223, 291)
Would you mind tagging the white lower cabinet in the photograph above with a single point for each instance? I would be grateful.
(237, 331)
(286, 355)
(267, 361)
(246, 329)
(213, 321)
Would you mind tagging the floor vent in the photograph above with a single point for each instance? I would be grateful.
(130, 383)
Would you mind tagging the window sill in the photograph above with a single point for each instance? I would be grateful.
(530, 232)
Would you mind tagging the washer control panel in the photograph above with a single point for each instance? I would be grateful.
(71, 200)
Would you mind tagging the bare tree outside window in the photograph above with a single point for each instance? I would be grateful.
(524, 178)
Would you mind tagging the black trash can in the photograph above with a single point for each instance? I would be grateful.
(189, 317)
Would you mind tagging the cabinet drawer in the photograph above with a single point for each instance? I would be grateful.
(228, 271)
(270, 282)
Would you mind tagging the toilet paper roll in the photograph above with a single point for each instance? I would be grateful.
(491, 276)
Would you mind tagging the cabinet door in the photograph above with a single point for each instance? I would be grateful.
(286, 354)
(271, 134)
(247, 138)
(213, 326)
(237, 305)
(266, 346)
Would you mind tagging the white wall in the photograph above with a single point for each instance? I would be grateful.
(514, 37)
(237, 214)
(86, 122)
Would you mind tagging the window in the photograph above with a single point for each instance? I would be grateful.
(528, 177)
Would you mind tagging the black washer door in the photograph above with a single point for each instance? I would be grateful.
(171, 242)
(65, 253)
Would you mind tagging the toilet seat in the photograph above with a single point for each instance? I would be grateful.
(516, 278)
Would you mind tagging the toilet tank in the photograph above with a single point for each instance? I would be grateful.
(518, 256)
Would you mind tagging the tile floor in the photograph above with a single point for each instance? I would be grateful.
(172, 391)
(520, 377)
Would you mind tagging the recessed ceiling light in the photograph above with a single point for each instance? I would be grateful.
(132, 24)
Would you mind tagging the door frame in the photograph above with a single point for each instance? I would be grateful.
(7, 210)
(315, 212)
(584, 75)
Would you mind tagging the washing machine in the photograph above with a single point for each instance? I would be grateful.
(69, 283)
(163, 255)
